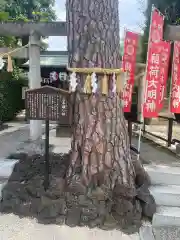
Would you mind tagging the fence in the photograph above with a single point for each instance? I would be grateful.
(169, 137)
(169, 140)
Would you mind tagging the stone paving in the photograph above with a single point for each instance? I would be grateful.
(13, 138)
(10, 139)
(150, 153)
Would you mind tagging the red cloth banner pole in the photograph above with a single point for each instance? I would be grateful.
(129, 66)
(175, 91)
(164, 67)
(153, 64)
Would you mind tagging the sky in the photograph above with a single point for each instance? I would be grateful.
(130, 13)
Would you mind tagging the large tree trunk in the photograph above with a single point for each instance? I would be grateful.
(101, 166)
(93, 33)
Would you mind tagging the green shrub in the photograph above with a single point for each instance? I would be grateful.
(10, 96)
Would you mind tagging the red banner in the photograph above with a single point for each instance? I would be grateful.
(156, 27)
(152, 91)
(164, 67)
(129, 66)
(175, 91)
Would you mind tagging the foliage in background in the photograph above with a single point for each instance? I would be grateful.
(30, 10)
(10, 96)
(24, 11)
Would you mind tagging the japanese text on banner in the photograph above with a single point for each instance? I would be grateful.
(152, 81)
(175, 92)
(129, 64)
(127, 95)
(164, 67)
(153, 65)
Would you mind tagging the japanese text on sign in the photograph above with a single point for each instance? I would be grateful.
(47, 103)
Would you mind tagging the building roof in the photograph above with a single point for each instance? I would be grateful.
(52, 59)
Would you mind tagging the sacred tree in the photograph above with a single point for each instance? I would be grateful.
(101, 166)
(99, 183)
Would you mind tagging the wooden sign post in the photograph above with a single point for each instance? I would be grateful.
(49, 104)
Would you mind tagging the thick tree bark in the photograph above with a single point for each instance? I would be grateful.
(93, 33)
(100, 144)
(101, 164)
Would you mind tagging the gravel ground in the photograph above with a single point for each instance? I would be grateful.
(10, 141)
(14, 228)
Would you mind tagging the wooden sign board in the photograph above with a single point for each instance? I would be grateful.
(48, 103)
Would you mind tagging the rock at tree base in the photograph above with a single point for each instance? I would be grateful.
(61, 204)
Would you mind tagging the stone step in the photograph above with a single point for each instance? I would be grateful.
(166, 223)
(166, 217)
(2, 184)
(168, 195)
(163, 174)
(146, 232)
(6, 167)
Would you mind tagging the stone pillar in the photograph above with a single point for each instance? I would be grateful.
(35, 80)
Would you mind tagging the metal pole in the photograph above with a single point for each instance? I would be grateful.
(140, 108)
(171, 81)
(46, 175)
(170, 129)
(130, 131)
(139, 142)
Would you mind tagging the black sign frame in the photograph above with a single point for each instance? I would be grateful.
(46, 103)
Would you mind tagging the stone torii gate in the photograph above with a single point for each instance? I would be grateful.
(35, 31)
